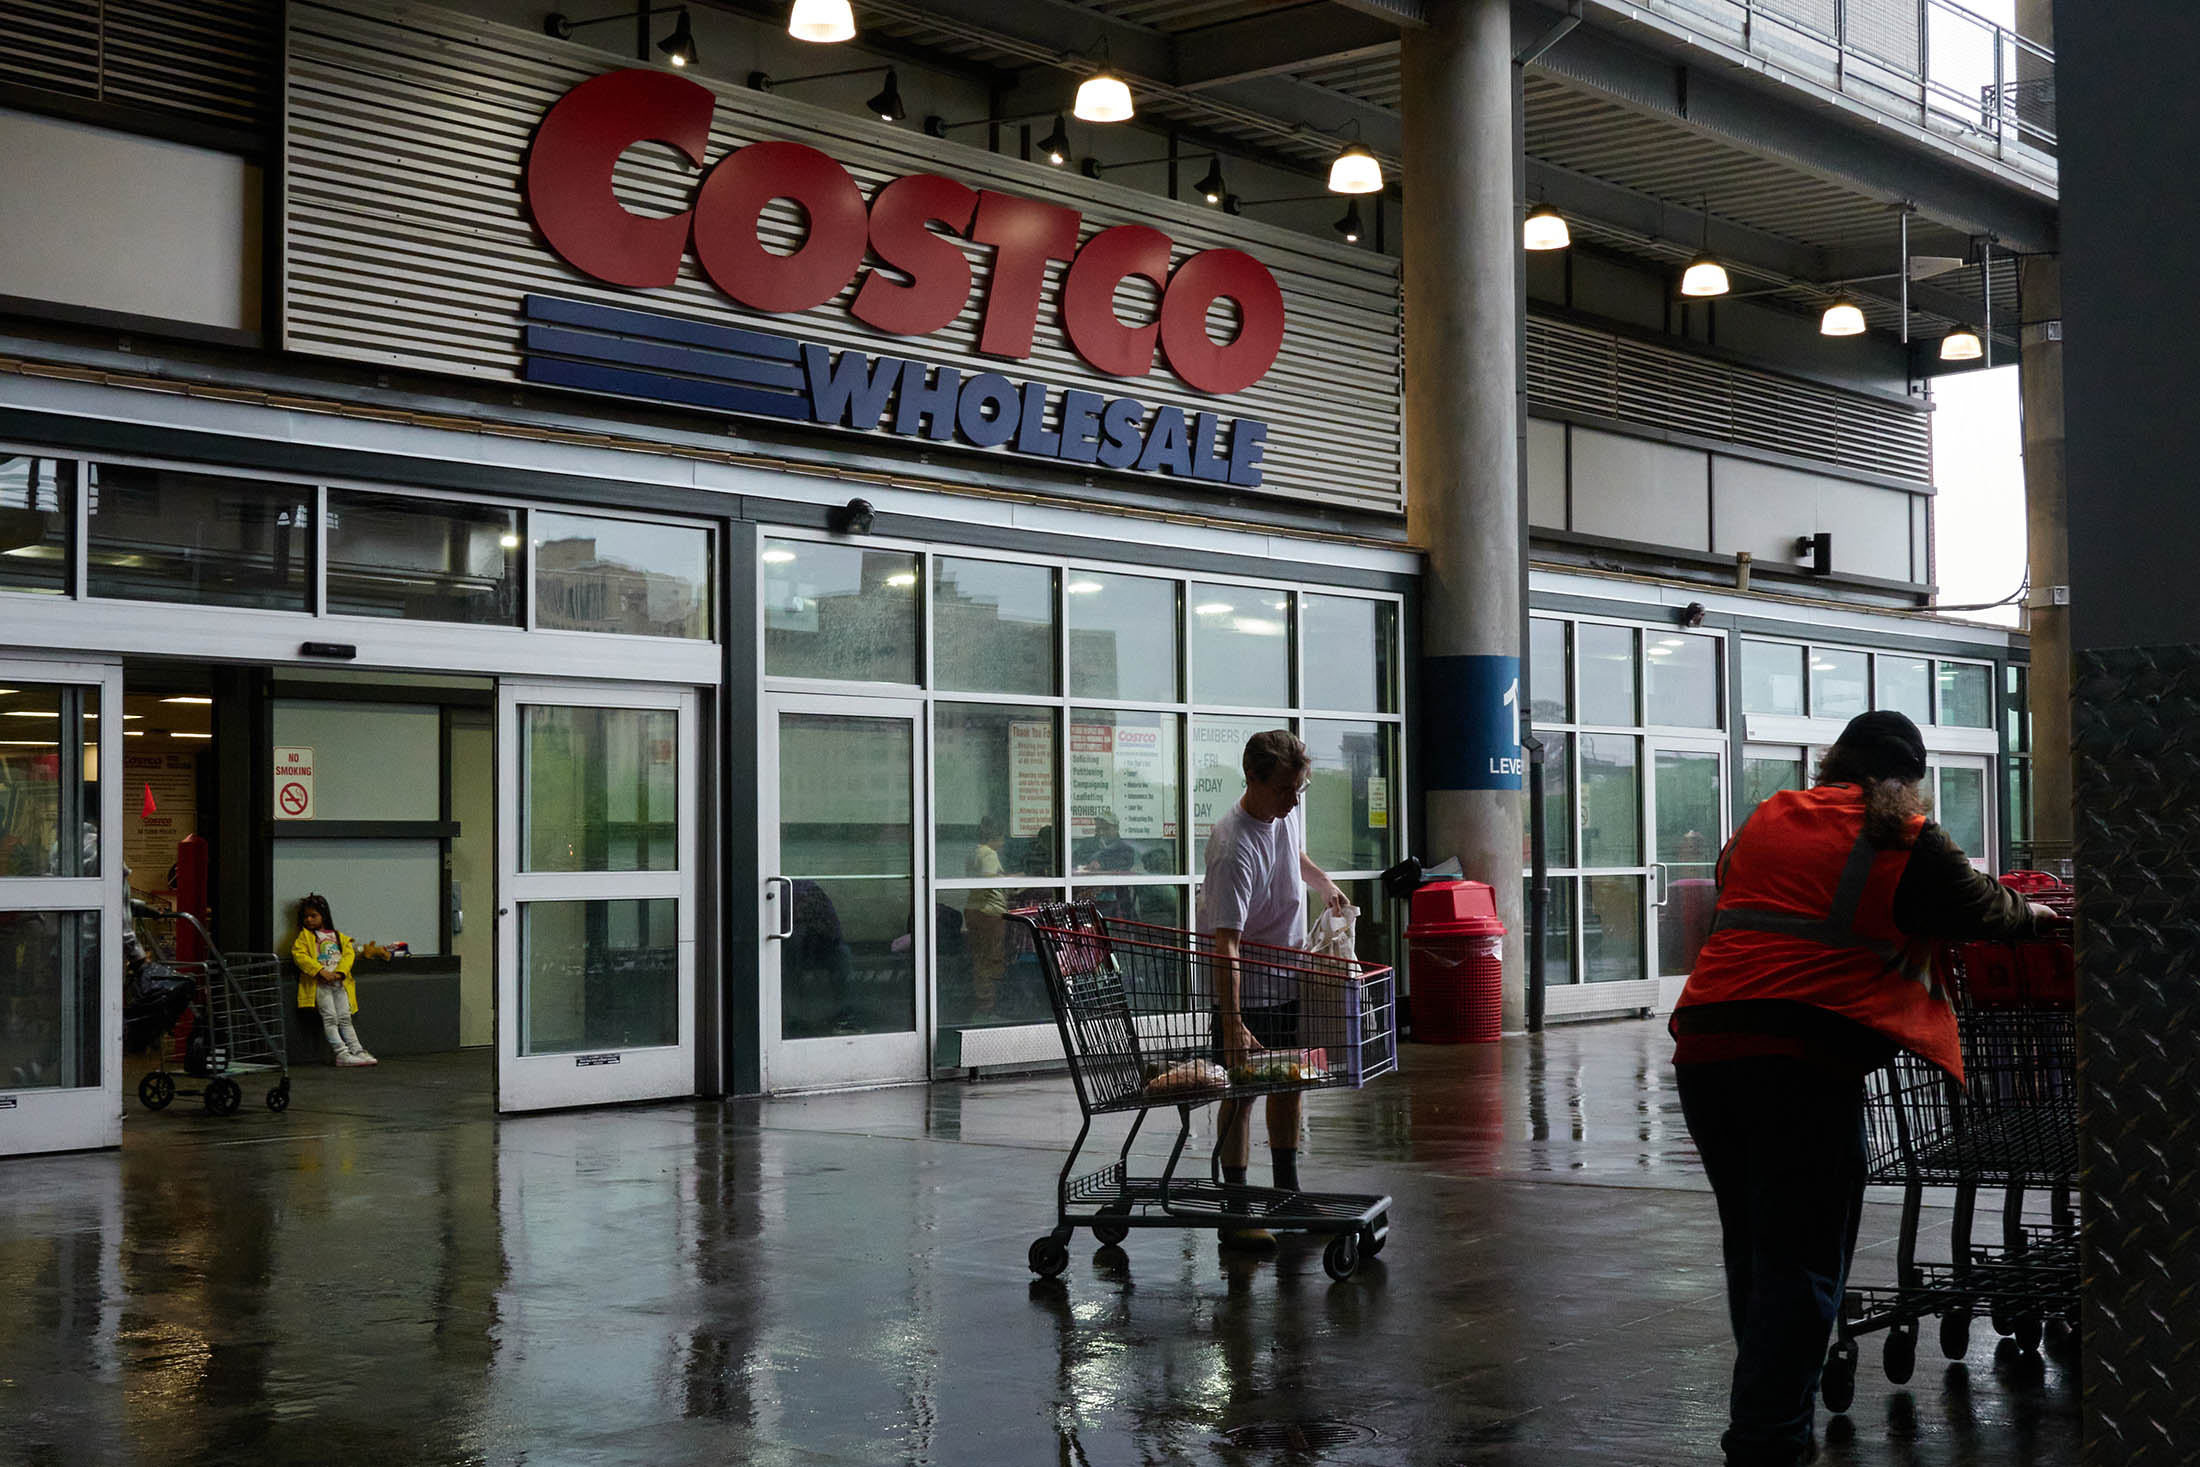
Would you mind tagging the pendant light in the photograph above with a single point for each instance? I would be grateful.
(1705, 276)
(1842, 318)
(822, 21)
(1355, 171)
(1103, 96)
(1349, 225)
(1545, 229)
(1055, 145)
(1211, 185)
(1961, 345)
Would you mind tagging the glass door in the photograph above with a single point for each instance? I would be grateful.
(1958, 784)
(61, 906)
(598, 845)
(847, 941)
(1688, 827)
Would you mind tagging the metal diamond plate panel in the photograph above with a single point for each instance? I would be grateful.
(2136, 725)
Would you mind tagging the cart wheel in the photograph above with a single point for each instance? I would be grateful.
(278, 1098)
(223, 1096)
(1341, 1256)
(1998, 1316)
(1901, 1354)
(2026, 1330)
(1955, 1333)
(1110, 1234)
(156, 1090)
(1375, 1235)
(1838, 1381)
(1048, 1256)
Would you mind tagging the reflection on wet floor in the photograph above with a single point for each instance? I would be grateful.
(389, 1274)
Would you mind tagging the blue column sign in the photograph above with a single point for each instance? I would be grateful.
(1470, 719)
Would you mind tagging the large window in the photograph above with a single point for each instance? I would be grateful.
(34, 524)
(208, 539)
(393, 556)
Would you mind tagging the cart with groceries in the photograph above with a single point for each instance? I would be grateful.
(1135, 1004)
(2008, 1133)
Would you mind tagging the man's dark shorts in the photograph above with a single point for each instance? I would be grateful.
(1273, 1027)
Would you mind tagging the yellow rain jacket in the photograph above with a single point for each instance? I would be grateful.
(306, 953)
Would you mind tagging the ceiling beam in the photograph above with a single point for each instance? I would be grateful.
(1285, 40)
(1397, 12)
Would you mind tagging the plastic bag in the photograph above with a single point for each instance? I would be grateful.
(1335, 934)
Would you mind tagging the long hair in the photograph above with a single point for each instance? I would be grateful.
(1889, 804)
(314, 901)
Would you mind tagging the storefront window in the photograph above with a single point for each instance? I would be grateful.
(1558, 928)
(49, 824)
(1241, 646)
(625, 576)
(1122, 637)
(167, 535)
(833, 611)
(49, 993)
(1840, 683)
(1764, 776)
(994, 785)
(1961, 807)
(1351, 650)
(1218, 771)
(1966, 695)
(1772, 678)
(423, 560)
(1607, 658)
(1558, 803)
(599, 975)
(992, 627)
(34, 525)
(603, 788)
(1611, 800)
(1611, 928)
(1550, 671)
(1351, 795)
(1906, 686)
(1681, 680)
(1124, 791)
(988, 973)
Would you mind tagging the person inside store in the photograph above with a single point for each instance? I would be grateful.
(985, 921)
(1255, 892)
(1105, 849)
(324, 957)
(1817, 971)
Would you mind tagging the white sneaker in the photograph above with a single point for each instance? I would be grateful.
(361, 1057)
(349, 1061)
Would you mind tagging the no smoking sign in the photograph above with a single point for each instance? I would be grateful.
(294, 783)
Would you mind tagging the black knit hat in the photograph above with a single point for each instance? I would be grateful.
(1884, 745)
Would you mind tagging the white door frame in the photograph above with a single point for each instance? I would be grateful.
(1983, 859)
(610, 1076)
(1669, 985)
(841, 1060)
(85, 1116)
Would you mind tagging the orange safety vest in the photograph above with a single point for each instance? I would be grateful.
(1806, 915)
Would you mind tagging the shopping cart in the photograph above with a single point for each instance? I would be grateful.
(2011, 1127)
(235, 1025)
(1136, 1010)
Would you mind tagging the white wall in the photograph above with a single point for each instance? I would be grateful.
(1763, 509)
(110, 221)
(1635, 489)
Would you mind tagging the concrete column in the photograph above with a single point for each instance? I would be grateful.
(1462, 464)
(2047, 526)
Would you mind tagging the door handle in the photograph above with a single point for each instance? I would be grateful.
(785, 887)
(1663, 878)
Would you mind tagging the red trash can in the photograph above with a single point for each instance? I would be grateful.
(1455, 963)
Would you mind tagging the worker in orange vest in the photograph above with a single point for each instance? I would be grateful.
(1817, 970)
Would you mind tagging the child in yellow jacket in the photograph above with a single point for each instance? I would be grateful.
(324, 957)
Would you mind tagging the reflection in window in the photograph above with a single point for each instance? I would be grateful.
(1351, 649)
(1607, 660)
(1218, 772)
(1966, 695)
(833, 611)
(423, 560)
(987, 971)
(49, 996)
(993, 779)
(49, 782)
(1122, 637)
(992, 627)
(1549, 671)
(1241, 646)
(1906, 687)
(1124, 791)
(599, 975)
(1764, 777)
(1681, 685)
(34, 524)
(625, 576)
(1772, 678)
(167, 535)
(1350, 796)
(1961, 808)
(1611, 800)
(1840, 683)
(1558, 804)
(601, 789)
(1611, 928)
(1558, 927)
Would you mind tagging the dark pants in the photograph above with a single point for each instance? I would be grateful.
(1783, 1144)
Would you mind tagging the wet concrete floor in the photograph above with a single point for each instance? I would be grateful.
(389, 1274)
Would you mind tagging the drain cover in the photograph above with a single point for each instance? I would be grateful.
(1299, 1436)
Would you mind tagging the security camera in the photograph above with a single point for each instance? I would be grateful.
(855, 517)
(1692, 614)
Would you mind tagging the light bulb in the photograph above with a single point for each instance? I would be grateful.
(1961, 346)
(1705, 276)
(1103, 97)
(1544, 229)
(1841, 319)
(823, 21)
(1355, 171)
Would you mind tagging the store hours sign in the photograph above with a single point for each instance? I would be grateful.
(903, 250)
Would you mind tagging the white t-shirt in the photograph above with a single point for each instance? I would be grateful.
(1253, 881)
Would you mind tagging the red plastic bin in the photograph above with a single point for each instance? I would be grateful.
(1456, 950)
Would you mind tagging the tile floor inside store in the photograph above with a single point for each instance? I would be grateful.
(388, 1274)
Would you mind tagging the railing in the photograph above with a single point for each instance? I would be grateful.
(1929, 62)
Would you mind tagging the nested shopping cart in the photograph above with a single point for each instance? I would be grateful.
(235, 1025)
(1135, 1004)
(2011, 1127)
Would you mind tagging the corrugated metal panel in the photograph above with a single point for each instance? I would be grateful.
(406, 241)
(208, 59)
(1578, 369)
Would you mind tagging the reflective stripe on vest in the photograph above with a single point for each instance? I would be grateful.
(1838, 927)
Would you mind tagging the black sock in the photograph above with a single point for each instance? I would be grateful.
(1287, 1169)
(1234, 1175)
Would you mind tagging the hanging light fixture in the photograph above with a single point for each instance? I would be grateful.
(887, 104)
(679, 47)
(822, 21)
(1705, 276)
(1103, 96)
(1055, 145)
(1349, 225)
(1842, 318)
(1544, 229)
(1211, 185)
(1961, 345)
(1355, 171)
